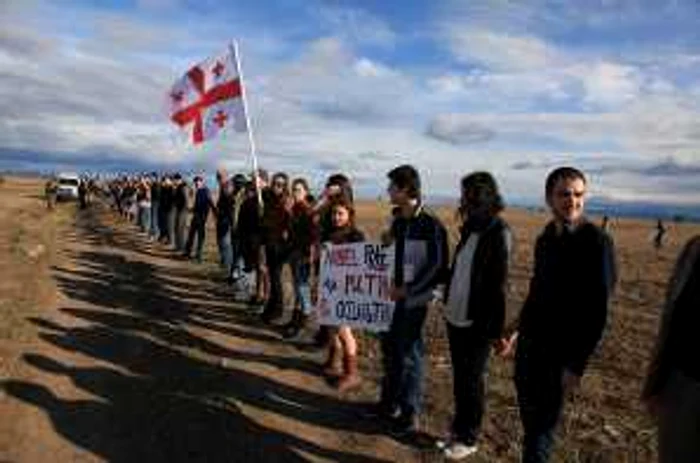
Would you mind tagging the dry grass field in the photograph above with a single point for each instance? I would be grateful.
(111, 349)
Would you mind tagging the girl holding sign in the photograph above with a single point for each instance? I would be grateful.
(342, 348)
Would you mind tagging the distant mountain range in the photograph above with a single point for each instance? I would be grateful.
(597, 206)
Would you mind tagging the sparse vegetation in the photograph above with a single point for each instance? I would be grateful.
(605, 424)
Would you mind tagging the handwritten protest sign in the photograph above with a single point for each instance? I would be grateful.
(354, 285)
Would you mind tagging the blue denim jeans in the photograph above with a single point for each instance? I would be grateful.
(155, 230)
(223, 241)
(144, 219)
(402, 350)
(301, 271)
(538, 381)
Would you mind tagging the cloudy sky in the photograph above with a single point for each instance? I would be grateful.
(515, 87)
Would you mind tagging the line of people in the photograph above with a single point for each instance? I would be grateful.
(263, 224)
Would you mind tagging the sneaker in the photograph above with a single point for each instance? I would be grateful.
(459, 451)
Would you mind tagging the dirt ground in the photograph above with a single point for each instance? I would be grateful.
(111, 349)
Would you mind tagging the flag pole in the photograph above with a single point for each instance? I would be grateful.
(249, 128)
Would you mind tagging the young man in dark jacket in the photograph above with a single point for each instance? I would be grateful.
(202, 204)
(564, 314)
(475, 305)
(420, 264)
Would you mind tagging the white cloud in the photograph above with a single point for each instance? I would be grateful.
(356, 25)
(499, 51)
(325, 103)
(608, 84)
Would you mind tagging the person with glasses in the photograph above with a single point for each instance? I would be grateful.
(276, 232)
(200, 212)
(565, 312)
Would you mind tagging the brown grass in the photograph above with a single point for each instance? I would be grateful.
(605, 424)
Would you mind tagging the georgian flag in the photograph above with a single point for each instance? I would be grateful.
(208, 98)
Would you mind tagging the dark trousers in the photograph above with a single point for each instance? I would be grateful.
(538, 381)
(155, 216)
(198, 228)
(236, 255)
(179, 229)
(275, 257)
(402, 351)
(164, 230)
(470, 353)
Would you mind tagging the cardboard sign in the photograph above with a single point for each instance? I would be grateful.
(354, 285)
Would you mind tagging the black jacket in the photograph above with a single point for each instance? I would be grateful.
(489, 277)
(421, 243)
(167, 196)
(676, 345)
(566, 309)
(179, 199)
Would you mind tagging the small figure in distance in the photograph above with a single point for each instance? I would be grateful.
(660, 234)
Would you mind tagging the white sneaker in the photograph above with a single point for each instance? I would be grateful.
(458, 451)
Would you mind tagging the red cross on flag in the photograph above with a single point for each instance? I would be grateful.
(208, 98)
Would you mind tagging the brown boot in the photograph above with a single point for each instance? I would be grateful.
(333, 366)
(351, 378)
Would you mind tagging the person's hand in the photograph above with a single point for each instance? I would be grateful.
(386, 238)
(570, 383)
(397, 293)
(505, 346)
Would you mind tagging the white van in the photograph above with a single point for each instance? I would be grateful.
(67, 187)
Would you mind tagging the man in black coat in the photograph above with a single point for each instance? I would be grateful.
(564, 314)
